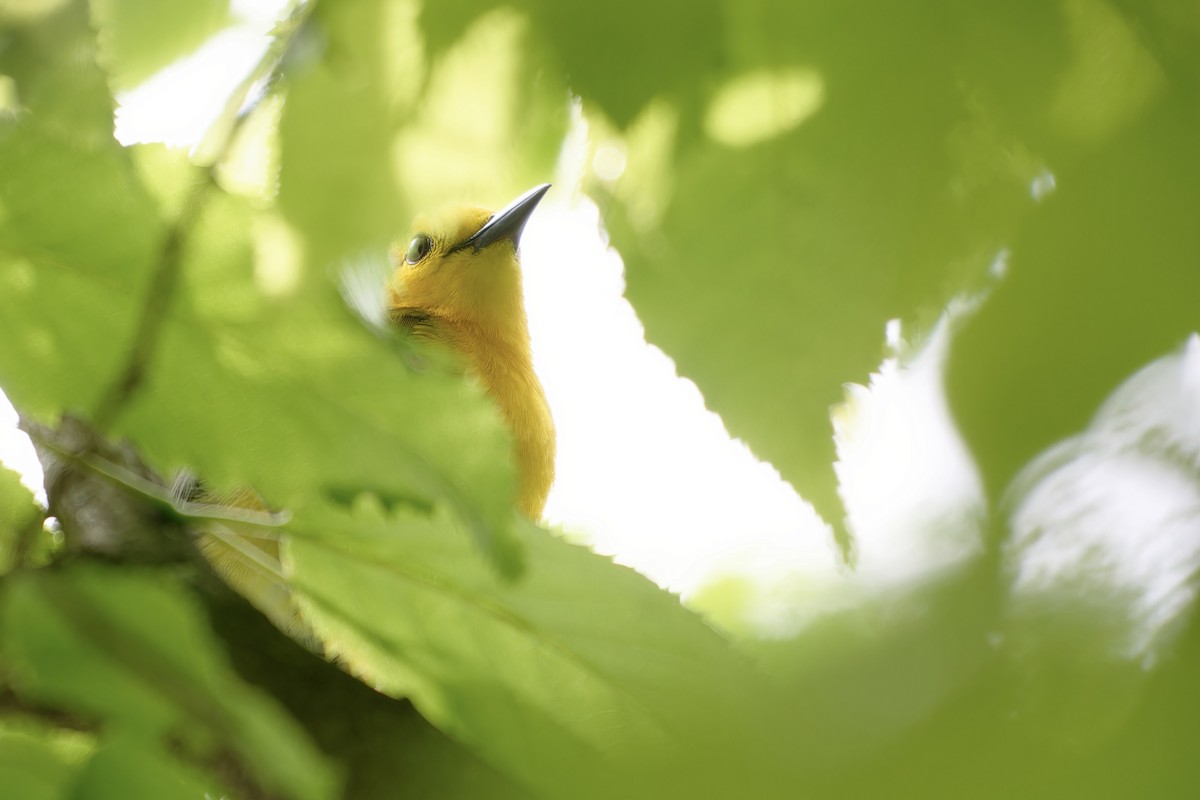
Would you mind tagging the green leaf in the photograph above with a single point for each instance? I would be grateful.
(769, 241)
(480, 123)
(139, 37)
(574, 680)
(51, 56)
(126, 766)
(37, 761)
(672, 47)
(18, 514)
(76, 245)
(78, 232)
(340, 197)
(130, 648)
(1101, 282)
(867, 690)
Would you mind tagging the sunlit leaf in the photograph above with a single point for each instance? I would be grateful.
(77, 230)
(777, 256)
(137, 37)
(50, 55)
(673, 47)
(574, 680)
(373, 133)
(125, 767)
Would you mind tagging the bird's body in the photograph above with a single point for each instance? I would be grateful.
(458, 284)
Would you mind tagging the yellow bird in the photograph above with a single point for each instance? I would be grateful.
(458, 283)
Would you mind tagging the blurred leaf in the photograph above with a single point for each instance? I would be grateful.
(37, 761)
(574, 680)
(671, 47)
(478, 124)
(774, 260)
(78, 233)
(126, 766)
(52, 59)
(1101, 281)
(139, 37)
(862, 680)
(938, 691)
(489, 123)
(1170, 31)
(18, 512)
(129, 648)
(1102, 553)
(339, 196)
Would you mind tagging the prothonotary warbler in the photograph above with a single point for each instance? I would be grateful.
(457, 282)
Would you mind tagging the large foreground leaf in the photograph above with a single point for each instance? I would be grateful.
(843, 174)
(575, 680)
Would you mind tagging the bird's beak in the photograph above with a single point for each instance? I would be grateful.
(509, 223)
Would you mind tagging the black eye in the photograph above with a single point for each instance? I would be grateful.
(418, 248)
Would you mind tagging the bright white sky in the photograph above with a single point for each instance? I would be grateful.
(645, 472)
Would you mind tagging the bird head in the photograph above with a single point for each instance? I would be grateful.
(460, 264)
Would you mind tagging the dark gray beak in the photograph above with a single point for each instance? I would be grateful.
(506, 224)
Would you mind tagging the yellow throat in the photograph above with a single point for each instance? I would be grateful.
(458, 283)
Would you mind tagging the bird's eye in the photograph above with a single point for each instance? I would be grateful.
(418, 248)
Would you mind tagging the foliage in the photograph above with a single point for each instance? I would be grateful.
(796, 175)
